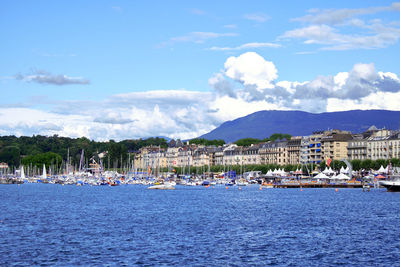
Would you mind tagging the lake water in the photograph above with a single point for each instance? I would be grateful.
(194, 226)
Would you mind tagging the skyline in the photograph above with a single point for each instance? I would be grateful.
(124, 70)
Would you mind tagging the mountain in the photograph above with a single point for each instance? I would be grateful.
(262, 124)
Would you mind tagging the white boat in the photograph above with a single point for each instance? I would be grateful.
(391, 185)
(163, 186)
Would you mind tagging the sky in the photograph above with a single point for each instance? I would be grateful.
(135, 69)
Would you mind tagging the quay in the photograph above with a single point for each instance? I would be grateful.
(318, 185)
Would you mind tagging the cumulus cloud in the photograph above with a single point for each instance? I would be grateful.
(44, 77)
(251, 69)
(247, 83)
(258, 78)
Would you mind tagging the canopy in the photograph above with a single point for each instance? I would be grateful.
(328, 171)
(341, 176)
(321, 176)
(342, 170)
(269, 173)
(380, 176)
(382, 170)
(298, 172)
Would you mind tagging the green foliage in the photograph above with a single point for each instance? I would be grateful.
(10, 155)
(48, 158)
(356, 163)
(277, 136)
(12, 148)
(205, 142)
(248, 141)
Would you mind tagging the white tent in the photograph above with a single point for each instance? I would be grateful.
(341, 176)
(328, 171)
(382, 170)
(342, 170)
(282, 172)
(321, 176)
(347, 170)
(387, 169)
(269, 174)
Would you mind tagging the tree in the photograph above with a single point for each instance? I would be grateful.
(247, 142)
(48, 158)
(279, 136)
(10, 155)
(206, 142)
(356, 163)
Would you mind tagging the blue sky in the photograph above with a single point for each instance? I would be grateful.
(130, 69)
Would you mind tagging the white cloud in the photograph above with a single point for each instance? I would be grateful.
(340, 16)
(230, 26)
(246, 85)
(251, 69)
(257, 17)
(380, 36)
(197, 11)
(378, 100)
(341, 29)
(44, 77)
(200, 37)
(246, 46)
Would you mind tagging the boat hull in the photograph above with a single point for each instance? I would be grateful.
(391, 186)
(162, 187)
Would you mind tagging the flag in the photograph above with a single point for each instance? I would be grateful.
(328, 162)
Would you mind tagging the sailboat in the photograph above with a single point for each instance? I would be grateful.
(22, 173)
(44, 175)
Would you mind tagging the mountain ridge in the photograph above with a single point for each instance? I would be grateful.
(262, 124)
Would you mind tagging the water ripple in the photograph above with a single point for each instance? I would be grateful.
(52, 225)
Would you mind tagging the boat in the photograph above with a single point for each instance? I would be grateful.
(392, 185)
(206, 183)
(162, 186)
(267, 185)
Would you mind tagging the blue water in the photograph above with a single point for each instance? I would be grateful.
(194, 226)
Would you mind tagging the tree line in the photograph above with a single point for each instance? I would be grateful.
(54, 150)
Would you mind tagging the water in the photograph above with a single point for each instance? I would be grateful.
(194, 226)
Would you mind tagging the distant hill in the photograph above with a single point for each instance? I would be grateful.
(264, 123)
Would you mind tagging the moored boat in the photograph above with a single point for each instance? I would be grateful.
(391, 186)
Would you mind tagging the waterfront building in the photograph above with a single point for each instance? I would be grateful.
(232, 155)
(274, 152)
(334, 144)
(172, 156)
(218, 156)
(382, 144)
(200, 156)
(357, 148)
(293, 150)
(374, 144)
(251, 155)
(315, 150)
(185, 156)
(305, 150)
